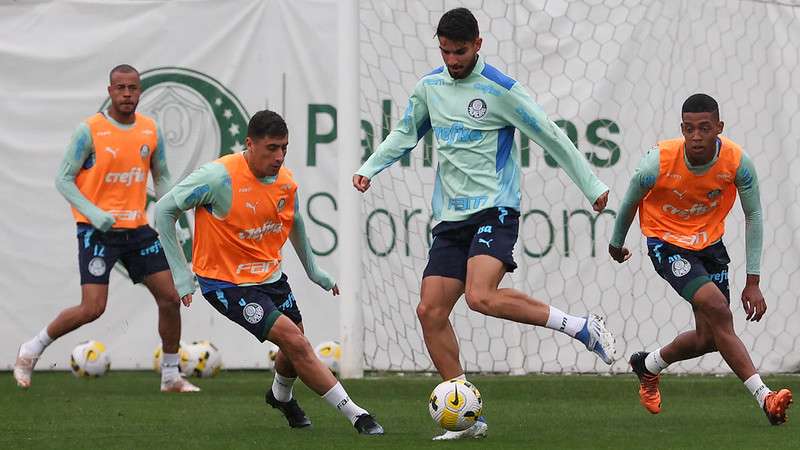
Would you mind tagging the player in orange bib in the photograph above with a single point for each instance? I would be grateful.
(104, 178)
(684, 189)
(245, 209)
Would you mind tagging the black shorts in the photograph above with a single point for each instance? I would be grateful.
(490, 232)
(687, 270)
(256, 308)
(138, 249)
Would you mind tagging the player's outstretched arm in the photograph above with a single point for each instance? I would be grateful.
(302, 247)
(159, 170)
(747, 184)
(79, 150)
(644, 178)
(402, 139)
(528, 117)
(204, 186)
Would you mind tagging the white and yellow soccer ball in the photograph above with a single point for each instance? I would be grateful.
(209, 359)
(455, 405)
(272, 354)
(89, 359)
(183, 358)
(330, 353)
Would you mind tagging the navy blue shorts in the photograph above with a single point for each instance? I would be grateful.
(256, 308)
(137, 249)
(687, 270)
(490, 232)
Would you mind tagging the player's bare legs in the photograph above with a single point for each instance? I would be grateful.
(437, 297)
(160, 284)
(295, 346)
(93, 303)
(280, 395)
(483, 294)
(690, 344)
(162, 288)
(484, 274)
(713, 308)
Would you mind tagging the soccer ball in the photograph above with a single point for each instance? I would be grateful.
(183, 358)
(455, 405)
(89, 359)
(209, 359)
(272, 353)
(330, 353)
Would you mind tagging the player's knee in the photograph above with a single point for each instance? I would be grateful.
(478, 300)
(91, 313)
(431, 315)
(706, 345)
(296, 344)
(168, 303)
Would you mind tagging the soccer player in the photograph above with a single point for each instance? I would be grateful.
(104, 177)
(246, 206)
(684, 189)
(473, 110)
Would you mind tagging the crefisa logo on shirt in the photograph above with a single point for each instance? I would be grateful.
(476, 108)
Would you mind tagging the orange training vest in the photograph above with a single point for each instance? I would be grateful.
(245, 246)
(117, 182)
(685, 209)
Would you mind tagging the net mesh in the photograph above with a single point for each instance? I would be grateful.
(613, 74)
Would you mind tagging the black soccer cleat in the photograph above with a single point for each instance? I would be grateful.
(291, 410)
(366, 425)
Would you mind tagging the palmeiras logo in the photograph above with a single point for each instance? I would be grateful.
(200, 120)
(253, 312)
(681, 267)
(476, 108)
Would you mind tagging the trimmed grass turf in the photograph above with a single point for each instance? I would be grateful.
(125, 410)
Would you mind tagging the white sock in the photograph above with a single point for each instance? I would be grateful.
(169, 366)
(338, 398)
(36, 346)
(282, 387)
(565, 323)
(757, 388)
(462, 377)
(654, 363)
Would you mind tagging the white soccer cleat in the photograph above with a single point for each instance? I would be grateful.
(598, 338)
(178, 384)
(23, 369)
(476, 431)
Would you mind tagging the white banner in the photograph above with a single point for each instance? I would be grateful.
(206, 66)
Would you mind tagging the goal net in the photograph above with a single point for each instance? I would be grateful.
(613, 74)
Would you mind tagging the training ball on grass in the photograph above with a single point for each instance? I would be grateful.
(455, 405)
(330, 353)
(209, 359)
(89, 359)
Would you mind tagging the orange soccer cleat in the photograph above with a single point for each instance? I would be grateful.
(649, 395)
(776, 404)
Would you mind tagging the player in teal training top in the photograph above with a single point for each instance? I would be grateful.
(474, 110)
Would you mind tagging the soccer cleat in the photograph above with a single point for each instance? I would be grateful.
(598, 339)
(649, 395)
(476, 431)
(23, 369)
(776, 404)
(178, 384)
(366, 425)
(291, 410)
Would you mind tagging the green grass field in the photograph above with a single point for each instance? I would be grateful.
(125, 410)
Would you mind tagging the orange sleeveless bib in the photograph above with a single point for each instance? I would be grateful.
(117, 182)
(245, 246)
(685, 209)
